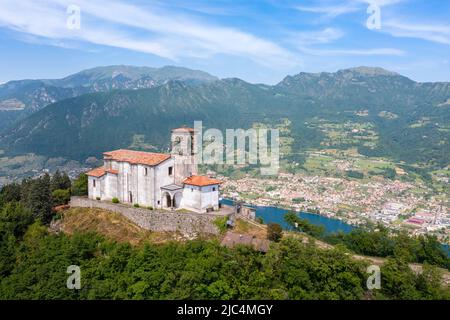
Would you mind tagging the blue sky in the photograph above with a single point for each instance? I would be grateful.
(258, 41)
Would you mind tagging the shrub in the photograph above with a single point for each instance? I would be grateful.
(80, 185)
(136, 205)
(115, 200)
(150, 208)
(355, 174)
(98, 198)
(298, 200)
(274, 232)
(221, 224)
(60, 197)
(60, 181)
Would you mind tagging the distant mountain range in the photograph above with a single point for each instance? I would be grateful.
(21, 98)
(405, 120)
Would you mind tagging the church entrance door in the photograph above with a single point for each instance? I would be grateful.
(168, 201)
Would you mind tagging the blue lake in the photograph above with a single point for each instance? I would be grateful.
(331, 225)
(276, 215)
(446, 248)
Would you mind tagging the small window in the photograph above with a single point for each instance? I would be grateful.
(214, 188)
(170, 171)
(145, 171)
(192, 189)
(159, 202)
(93, 183)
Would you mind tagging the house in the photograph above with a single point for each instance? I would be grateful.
(158, 180)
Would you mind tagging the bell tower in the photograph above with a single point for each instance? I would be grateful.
(184, 154)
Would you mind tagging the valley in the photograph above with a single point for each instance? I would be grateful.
(361, 144)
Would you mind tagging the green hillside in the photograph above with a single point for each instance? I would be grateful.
(21, 98)
(378, 112)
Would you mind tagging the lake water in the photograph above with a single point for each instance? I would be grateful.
(446, 248)
(275, 215)
(331, 225)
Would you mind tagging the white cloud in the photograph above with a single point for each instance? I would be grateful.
(430, 32)
(118, 24)
(336, 8)
(305, 42)
(331, 11)
(381, 3)
(354, 52)
(326, 35)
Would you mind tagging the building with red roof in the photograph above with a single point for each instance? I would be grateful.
(158, 180)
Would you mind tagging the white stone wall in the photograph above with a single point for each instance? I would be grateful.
(96, 191)
(210, 197)
(200, 198)
(110, 186)
(192, 197)
(189, 224)
(183, 154)
(163, 179)
(143, 182)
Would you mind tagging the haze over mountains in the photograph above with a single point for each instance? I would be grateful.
(113, 107)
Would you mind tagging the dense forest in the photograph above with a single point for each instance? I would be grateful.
(378, 241)
(34, 261)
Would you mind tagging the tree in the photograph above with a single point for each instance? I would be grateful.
(398, 280)
(80, 185)
(60, 197)
(15, 219)
(355, 174)
(60, 181)
(274, 232)
(40, 199)
(431, 251)
(303, 225)
(429, 284)
(10, 193)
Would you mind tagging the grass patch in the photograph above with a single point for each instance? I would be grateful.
(113, 226)
(246, 227)
(221, 224)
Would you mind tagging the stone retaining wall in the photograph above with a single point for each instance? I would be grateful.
(189, 224)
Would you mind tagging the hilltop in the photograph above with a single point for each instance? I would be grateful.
(115, 227)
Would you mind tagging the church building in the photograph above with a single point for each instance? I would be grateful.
(158, 180)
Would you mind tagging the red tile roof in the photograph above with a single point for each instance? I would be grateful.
(136, 157)
(201, 181)
(416, 221)
(99, 172)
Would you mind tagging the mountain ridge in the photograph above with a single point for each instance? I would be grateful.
(405, 120)
(30, 95)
